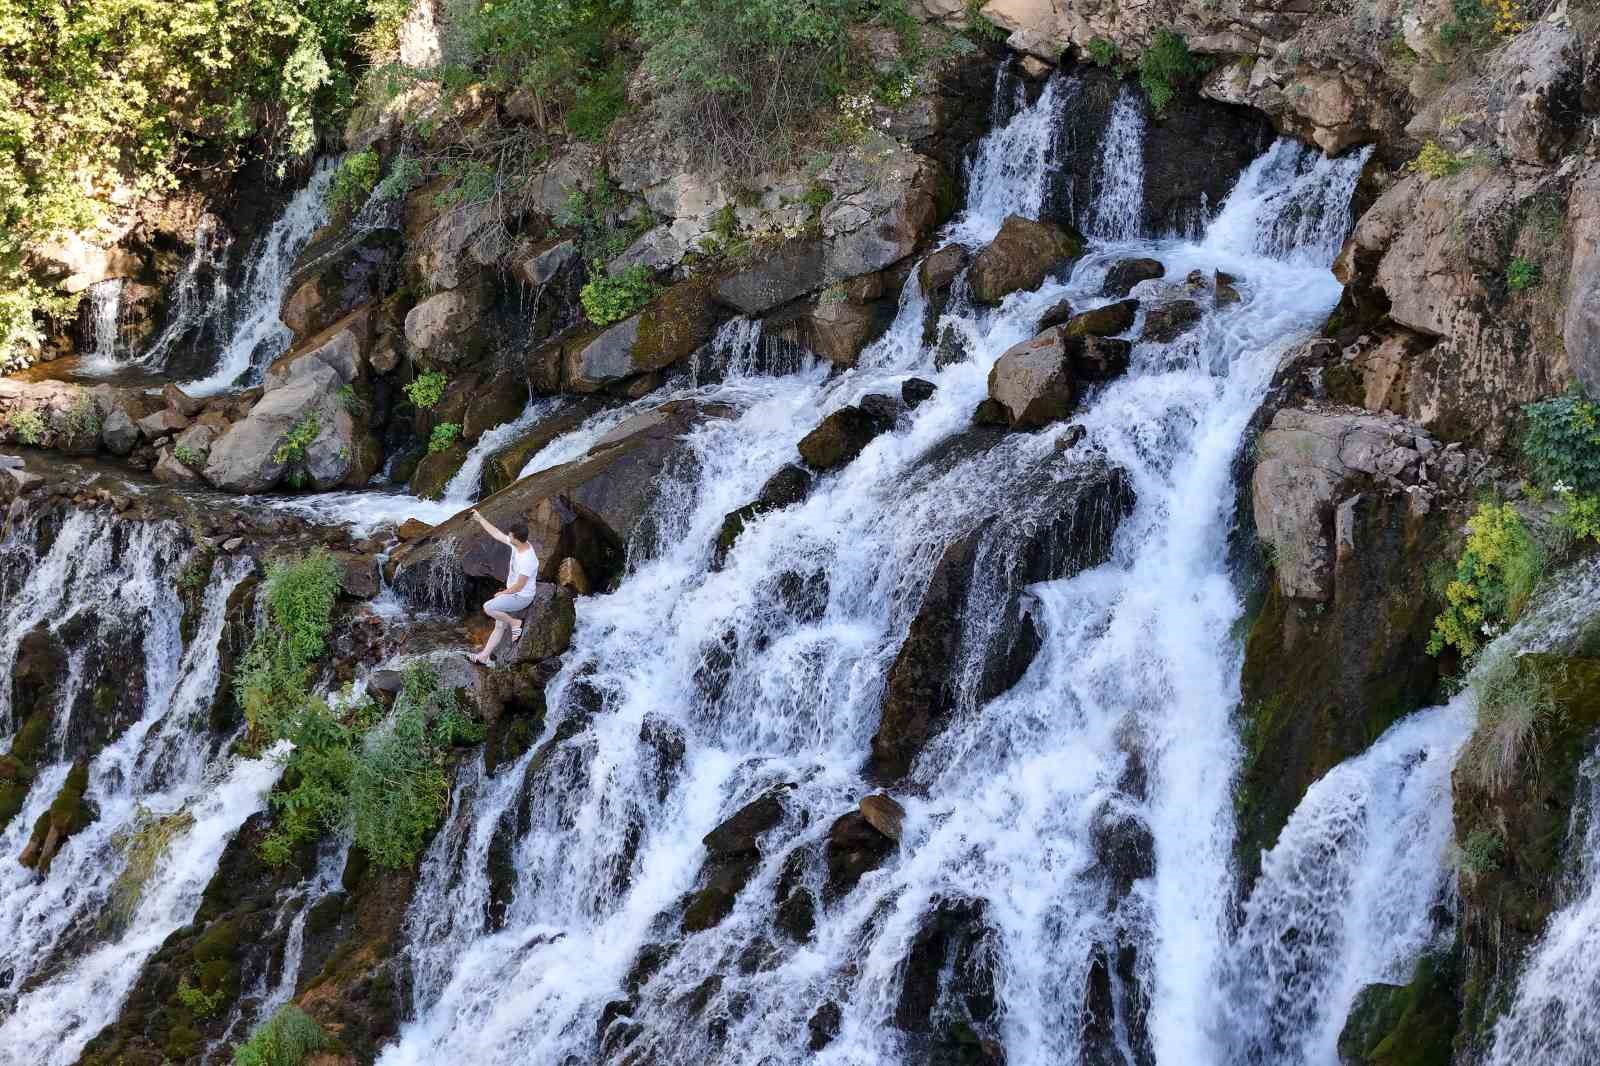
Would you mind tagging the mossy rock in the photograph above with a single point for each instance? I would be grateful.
(677, 322)
(1405, 1025)
(436, 469)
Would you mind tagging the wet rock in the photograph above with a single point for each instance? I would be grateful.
(1105, 321)
(1019, 257)
(916, 391)
(358, 575)
(435, 469)
(1124, 275)
(118, 432)
(796, 905)
(841, 436)
(1032, 384)
(823, 1026)
(505, 466)
(1098, 359)
(884, 814)
(412, 528)
(739, 832)
(838, 330)
(1224, 292)
(1421, 1016)
(947, 966)
(69, 813)
(541, 267)
(547, 626)
(854, 848)
(951, 349)
(588, 509)
(714, 900)
(938, 271)
(1057, 314)
(1169, 321)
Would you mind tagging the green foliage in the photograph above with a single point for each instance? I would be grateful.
(472, 182)
(1515, 704)
(83, 418)
(351, 400)
(609, 299)
(353, 181)
(26, 426)
(293, 447)
(200, 1003)
(405, 174)
(134, 95)
(1480, 853)
(1471, 25)
(1580, 516)
(193, 458)
(550, 49)
(1102, 53)
(443, 435)
(593, 213)
(1494, 578)
(399, 788)
(598, 102)
(428, 389)
(1437, 162)
(271, 679)
(1521, 274)
(1562, 443)
(300, 594)
(1165, 67)
(285, 1039)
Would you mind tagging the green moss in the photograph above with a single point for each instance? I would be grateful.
(1405, 1025)
(676, 323)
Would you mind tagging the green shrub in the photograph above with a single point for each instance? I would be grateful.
(353, 181)
(1515, 704)
(26, 426)
(1580, 516)
(598, 102)
(83, 418)
(1521, 274)
(1562, 443)
(292, 449)
(1102, 53)
(1480, 853)
(1494, 578)
(351, 400)
(1471, 25)
(301, 594)
(609, 299)
(199, 1003)
(285, 1039)
(1165, 67)
(443, 435)
(193, 458)
(399, 787)
(427, 390)
(1437, 162)
(405, 174)
(270, 681)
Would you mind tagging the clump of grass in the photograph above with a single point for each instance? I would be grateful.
(1515, 705)
(285, 1039)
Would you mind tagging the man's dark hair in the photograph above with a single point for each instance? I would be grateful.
(519, 530)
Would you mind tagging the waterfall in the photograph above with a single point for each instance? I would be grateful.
(72, 942)
(1116, 212)
(105, 320)
(255, 335)
(462, 488)
(547, 927)
(199, 300)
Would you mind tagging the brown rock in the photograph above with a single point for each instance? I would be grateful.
(840, 437)
(884, 814)
(180, 401)
(854, 848)
(1055, 316)
(162, 423)
(412, 528)
(1170, 321)
(940, 268)
(1105, 321)
(1019, 257)
(838, 330)
(1123, 276)
(1033, 382)
(571, 576)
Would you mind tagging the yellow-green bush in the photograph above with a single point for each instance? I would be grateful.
(1494, 578)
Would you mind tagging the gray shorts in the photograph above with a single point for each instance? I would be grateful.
(512, 603)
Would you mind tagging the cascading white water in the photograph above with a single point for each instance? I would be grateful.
(1117, 211)
(72, 941)
(764, 687)
(255, 334)
(196, 314)
(1011, 173)
(105, 320)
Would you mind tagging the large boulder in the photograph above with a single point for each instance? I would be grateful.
(675, 323)
(300, 430)
(1019, 257)
(445, 327)
(838, 329)
(1036, 382)
(590, 509)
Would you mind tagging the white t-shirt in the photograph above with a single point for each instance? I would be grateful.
(523, 564)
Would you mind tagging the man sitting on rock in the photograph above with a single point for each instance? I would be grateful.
(511, 601)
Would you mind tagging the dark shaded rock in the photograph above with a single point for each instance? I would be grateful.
(737, 834)
(951, 349)
(940, 268)
(714, 900)
(1225, 292)
(915, 391)
(841, 436)
(854, 848)
(547, 626)
(885, 409)
(788, 486)
(436, 469)
(1106, 321)
(948, 966)
(1056, 315)
(1098, 358)
(1123, 276)
(838, 329)
(1412, 1024)
(797, 907)
(505, 466)
(1019, 257)
(823, 1026)
(1169, 321)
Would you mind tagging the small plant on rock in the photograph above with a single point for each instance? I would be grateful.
(609, 299)
(193, 458)
(1562, 442)
(443, 436)
(295, 444)
(83, 418)
(1494, 578)
(285, 1039)
(27, 427)
(200, 1003)
(428, 389)
(1521, 274)
(1102, 53)
(353, 181)
(1480, 853)
(1166, 66)
(1515, 705)
(1437, 162)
